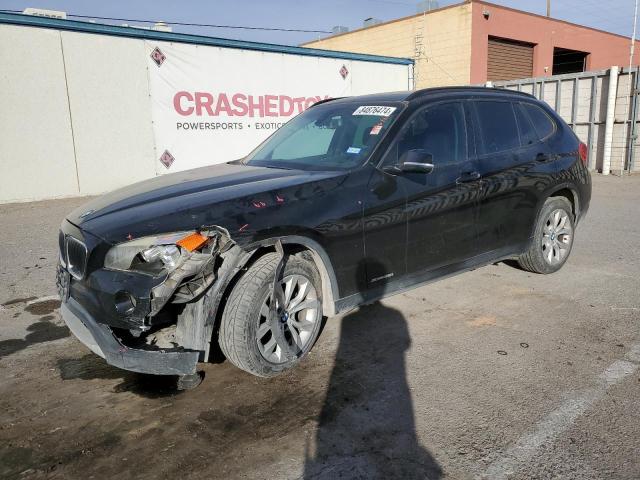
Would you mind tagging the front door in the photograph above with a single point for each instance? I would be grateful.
(441, 205)
(385, 230)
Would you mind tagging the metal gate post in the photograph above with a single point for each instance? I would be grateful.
(574, 104)
(610, 119)
(631, 131)
(558, 93)
(591, 161)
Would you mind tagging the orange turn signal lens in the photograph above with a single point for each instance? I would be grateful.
(192, 242)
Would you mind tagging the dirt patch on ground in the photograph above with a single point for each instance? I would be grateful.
(43, 308)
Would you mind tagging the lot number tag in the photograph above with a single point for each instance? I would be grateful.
(374, 110)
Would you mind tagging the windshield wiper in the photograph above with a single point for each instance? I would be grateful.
(276, 167)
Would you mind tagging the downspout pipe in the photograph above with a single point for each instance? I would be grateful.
(608, 126)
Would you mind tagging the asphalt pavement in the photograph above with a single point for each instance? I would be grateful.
(495, 373)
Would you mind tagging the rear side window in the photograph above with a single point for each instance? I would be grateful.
(528, 135)
(543, 124)
(497, 126)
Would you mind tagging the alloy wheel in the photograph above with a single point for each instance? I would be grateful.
(296, 319)
(557, 235)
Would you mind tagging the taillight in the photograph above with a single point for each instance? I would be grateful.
(583, 151)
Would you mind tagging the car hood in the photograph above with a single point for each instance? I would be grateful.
(185, 199)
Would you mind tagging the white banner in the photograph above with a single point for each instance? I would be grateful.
(211, 105)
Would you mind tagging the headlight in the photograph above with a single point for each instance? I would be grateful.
(168, 249)
(169, 255)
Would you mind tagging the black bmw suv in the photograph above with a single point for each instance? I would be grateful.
(355, 199)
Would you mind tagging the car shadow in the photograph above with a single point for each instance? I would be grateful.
(366, 425)
(92, 367)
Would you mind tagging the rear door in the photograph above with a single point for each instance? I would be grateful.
(514, 164)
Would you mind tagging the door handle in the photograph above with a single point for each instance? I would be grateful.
(468, 177)
(543, 157)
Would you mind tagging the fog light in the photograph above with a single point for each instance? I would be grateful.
(125, 303)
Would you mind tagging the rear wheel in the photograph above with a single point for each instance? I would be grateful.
(264, 338)
(553, 238)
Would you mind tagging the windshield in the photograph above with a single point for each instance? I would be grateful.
(332, 136)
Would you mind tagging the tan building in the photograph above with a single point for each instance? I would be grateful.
(476, 41)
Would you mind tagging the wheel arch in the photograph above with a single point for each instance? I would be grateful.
(566, 190)
(530, 259)
(291, 244)
(570, 193)
(296, 243)
(235, 262)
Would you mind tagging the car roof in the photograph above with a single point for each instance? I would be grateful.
(427, 93)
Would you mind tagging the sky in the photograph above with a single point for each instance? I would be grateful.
(611, 15)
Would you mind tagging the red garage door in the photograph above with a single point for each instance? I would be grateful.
(509, 59)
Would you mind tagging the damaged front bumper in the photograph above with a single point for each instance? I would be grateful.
(102, 341)
(147, 322)
(88, 309)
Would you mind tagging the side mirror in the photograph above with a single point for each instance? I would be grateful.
(416, 161)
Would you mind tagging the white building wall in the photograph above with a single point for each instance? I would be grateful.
(36, 144)
(110, 109)
(76, 113)
(369, 79)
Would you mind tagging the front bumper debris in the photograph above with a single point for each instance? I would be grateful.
(101, 340)
(141, 320)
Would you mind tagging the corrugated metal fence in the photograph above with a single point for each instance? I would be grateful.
(582, 99)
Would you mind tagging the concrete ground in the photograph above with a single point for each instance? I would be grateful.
(495, 373)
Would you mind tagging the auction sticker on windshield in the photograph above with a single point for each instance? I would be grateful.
(374, 110)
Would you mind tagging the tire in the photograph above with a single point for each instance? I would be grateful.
(246, 335)
(552, 239)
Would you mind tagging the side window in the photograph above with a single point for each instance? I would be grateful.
(439, 130)
(498, 127)
(543, 124)
(528, 135)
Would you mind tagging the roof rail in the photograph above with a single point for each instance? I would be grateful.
(428, 91)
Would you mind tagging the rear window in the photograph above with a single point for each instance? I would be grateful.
(497, 126)
(541, 121)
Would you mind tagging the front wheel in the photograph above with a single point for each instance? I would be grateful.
(553, 238)
(266, 339)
